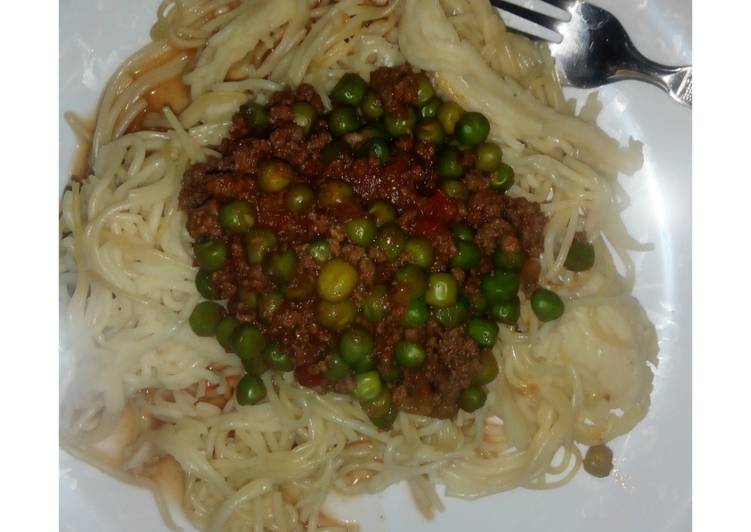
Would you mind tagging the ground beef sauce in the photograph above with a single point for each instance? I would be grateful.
(274, 211)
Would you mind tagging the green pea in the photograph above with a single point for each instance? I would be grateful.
(442, 290)
(411, 280)
(250, 390)
(488, 369)
(336, 281)
(500, 287)
(375, 306)
(502, 178)
(237, 216)
(483, 332)
(343, 120)
(472, 398)
(205, 285)
(248, 341)
(255, 365)
(371, 107)
(258, 251)
(372, 131)
(366, 363)
(453, 315)
(546, 305)
(333, 193)
(581, 256)
(210, 254)
(268, 305)
(300, 289)
(304, 114)
(205, 318)
(598, 461)
(355, 344)
(333, 150)
(410, 354)
(368, 385)
(449, 164)
(349, 90)
(391, 240)
(478, 301)
(467, 256)
(449, 114)
(429, 130)
(379, 406)
(463, 232)
(225, 331)
(425, 90)
(416, 313)
(336, 316)
(247, 297)
(472, 129)
(337, 369)
(430, 109)
(281, 266)
(381, 212)
(319, 249)
(399, 125)
(455, 189)
(419, 251)
(278, 359)
(255, 117)
(360, 231)
(488, 156)
(299, 198)
(275, 175)
(392, 374)
(508, 312)
(258, 243)
(380, 148)
(508, 260)
(385, 422)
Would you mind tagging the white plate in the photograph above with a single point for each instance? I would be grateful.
(651, 490)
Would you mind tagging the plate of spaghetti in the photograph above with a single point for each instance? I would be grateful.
(359, 264)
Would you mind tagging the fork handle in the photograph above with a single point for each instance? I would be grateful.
(675, 80)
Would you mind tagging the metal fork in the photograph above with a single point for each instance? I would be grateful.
(593, 49)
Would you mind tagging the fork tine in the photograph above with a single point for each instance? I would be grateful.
(545, 21)
(528, 35)
(560, 4)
